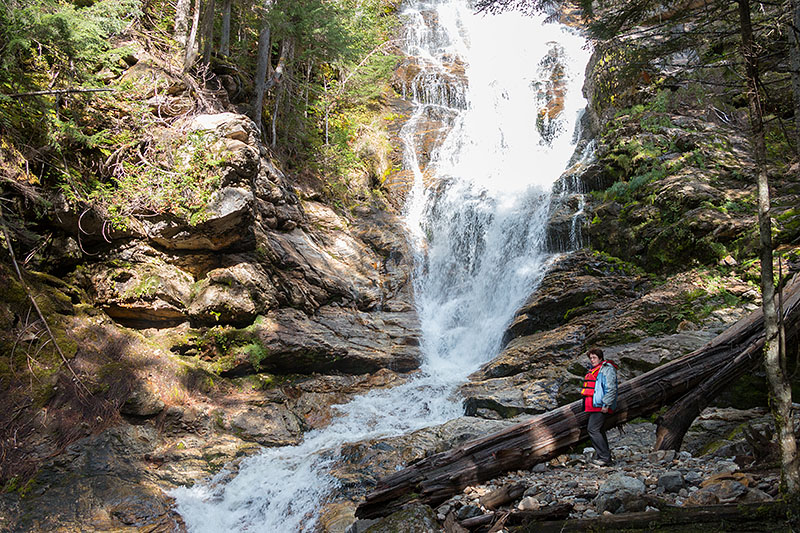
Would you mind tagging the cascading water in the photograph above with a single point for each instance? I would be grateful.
(506, 89)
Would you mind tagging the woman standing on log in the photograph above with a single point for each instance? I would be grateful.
(600, 399)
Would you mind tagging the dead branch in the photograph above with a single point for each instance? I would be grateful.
(58, 91)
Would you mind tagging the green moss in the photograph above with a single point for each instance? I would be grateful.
(256, 354)
(146, 288)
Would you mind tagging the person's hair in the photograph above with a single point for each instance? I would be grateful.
(596, 351)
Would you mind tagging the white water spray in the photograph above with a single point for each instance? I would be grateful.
(476, 212)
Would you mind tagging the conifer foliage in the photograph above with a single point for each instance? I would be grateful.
(70, 119)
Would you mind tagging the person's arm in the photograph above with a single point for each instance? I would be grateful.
(610, 396)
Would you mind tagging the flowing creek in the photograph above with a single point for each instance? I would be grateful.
(504, 93)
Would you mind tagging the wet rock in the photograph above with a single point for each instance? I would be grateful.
(620, 493)
(339, 518)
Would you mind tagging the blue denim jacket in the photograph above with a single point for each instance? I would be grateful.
(605, 389)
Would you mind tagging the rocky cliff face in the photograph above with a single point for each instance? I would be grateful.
(193, 340)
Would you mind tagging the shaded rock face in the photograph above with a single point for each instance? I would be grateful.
(96, 481)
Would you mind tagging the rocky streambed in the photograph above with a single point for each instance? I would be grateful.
(721, 469)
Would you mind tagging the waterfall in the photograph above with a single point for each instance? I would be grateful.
(505, 93)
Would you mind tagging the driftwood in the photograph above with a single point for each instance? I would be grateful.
(500, 520)
(437, 477)
(503, 495)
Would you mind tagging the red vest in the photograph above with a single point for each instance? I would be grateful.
(588, 388)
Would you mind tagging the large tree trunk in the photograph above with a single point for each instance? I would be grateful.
(207, 30)
(225, 36)
(262, 66)
(794, 55)
(191, 41)
(779, 387)
(434, 479)
(182, 10)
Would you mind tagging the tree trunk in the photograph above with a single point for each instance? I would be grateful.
(774, 364)
(262, 66)
(794, 55)
(225, 37)
(673, 425)
(435, 478)
(182, 11)
(278, 95)
(207, 31)
(191, 42)
(287, 49)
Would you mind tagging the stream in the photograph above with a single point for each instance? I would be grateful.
(505, 94)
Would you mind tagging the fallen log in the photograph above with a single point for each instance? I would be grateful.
(674, 423)
(762, 516)
(435, 478)
(559, 511)
(503, 495)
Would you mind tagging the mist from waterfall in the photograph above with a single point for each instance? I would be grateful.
(476, 214)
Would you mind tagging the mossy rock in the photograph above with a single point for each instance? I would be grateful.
(412, 519)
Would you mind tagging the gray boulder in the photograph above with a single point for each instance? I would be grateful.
(620, 493)
(671, 481)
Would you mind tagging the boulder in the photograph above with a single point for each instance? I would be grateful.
(226, 125)
(671, 481)
(620, 493)
(536, 352)
(138, 286)
(510, 396)
(726, 491)
(226, 224)
(233, 295)
(142, 402)
(412, 519)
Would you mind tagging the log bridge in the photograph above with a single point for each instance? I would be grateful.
(691, 381)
